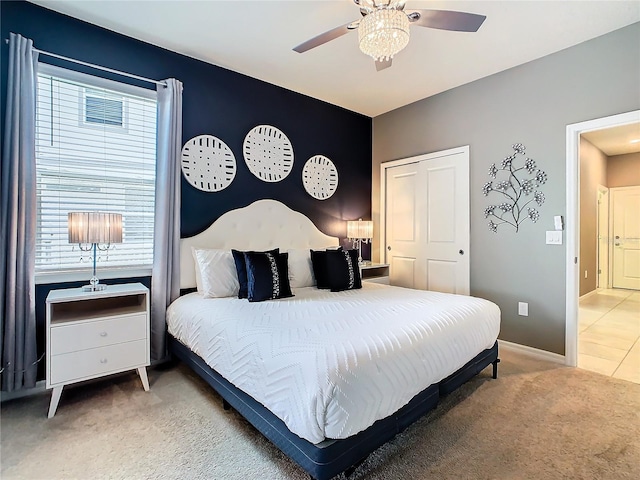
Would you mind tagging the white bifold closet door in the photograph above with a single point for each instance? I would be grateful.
(427, 223)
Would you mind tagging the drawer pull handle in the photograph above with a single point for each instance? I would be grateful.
(103, 334)
(103, 360)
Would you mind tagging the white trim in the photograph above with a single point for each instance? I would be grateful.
(622, 189)
(602, 190)
(25, 392)
(96, 82)
(41, 385)
(573, 221)
(589, 294)
(383, 185)
(80, 275)
(531, 352)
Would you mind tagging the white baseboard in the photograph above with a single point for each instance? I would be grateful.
(587, 295)
(39, 388)
(532, 352)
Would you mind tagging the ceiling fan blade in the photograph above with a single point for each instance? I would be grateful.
(447, 20)
(382, 64)
(324, 38)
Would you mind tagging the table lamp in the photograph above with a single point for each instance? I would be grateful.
(94, 231)
(359, 232)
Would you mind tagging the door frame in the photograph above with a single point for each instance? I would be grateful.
(602, 190)
(573, 133)
(383, 187)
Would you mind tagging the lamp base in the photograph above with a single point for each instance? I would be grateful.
(94, 288)
(94, 283)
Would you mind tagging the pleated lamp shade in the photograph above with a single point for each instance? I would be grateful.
(95, 227)
(360, 229)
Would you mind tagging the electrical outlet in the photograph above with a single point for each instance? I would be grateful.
(523, 309)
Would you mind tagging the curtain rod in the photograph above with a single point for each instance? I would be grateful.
(98, 67)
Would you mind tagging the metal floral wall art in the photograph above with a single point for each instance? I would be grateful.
(518, 188)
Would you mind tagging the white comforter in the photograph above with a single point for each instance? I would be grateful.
(331, 364)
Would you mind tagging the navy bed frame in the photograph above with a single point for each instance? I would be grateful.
(332, 457)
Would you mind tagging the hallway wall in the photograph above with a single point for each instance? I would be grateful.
(593, 172)
(623, 170)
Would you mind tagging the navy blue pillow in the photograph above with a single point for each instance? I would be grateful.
(241, 269)
(267, 276)
(319, 264)
(343, 271)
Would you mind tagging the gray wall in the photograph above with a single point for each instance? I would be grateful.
(531, 104)
(623, 170)
(593, 172)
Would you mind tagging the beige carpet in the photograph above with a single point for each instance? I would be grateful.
(537, 421)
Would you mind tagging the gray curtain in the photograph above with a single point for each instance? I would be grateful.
(18, 220)
(165, 281)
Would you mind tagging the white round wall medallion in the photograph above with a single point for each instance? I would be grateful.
(320, 177)
(268, 153)
(208, 163)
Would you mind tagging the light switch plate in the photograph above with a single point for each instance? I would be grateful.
(554, 237)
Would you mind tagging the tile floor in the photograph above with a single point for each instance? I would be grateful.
(609, 333)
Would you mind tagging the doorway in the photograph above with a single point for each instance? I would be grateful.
(573, 271)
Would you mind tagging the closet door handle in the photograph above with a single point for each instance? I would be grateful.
(461, 252)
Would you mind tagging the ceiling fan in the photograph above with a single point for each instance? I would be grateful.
(383, 29)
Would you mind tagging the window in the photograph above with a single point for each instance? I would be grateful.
(95, 151)
(102, 110)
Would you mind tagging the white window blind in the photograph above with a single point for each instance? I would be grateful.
(95, 151)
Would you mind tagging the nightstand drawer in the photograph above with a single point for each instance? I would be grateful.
(83, 336)
(73, 366)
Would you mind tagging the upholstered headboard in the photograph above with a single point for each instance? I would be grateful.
(263, 225)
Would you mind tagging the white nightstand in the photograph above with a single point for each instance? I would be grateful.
(375, 273)
(92, 334)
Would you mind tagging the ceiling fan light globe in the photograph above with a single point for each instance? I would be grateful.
(383, 33)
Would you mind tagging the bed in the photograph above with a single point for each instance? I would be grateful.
(326, 376)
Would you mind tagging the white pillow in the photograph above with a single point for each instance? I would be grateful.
(300, 268)
(197, 266)
(217, 273)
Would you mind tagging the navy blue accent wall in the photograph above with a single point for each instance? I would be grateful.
(225, 104)
(217, 102)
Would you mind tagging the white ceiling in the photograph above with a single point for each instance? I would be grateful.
(616, 140)
(256, 38)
